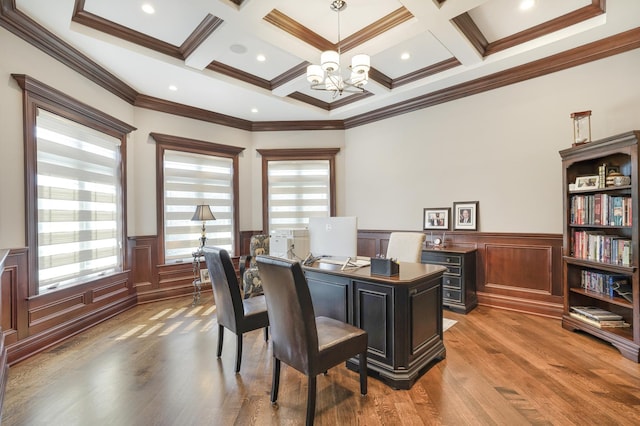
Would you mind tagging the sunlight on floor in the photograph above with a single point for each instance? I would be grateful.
(198, 318)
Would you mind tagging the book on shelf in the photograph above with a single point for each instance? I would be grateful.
(600, 324)
(595, 313)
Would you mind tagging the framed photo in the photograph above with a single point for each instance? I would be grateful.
(204, 276)
(465, 214)
(437, 218)
(587, 182)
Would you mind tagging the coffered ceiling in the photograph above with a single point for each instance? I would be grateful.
(200, 57)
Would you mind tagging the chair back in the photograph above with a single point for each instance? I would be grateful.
(406, 246)
(291, 316)
(226, 290)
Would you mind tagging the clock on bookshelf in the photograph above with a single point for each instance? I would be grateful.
(601, 236)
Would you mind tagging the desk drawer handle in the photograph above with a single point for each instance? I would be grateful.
(448, 260)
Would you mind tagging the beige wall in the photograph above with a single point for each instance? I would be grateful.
(500, 148)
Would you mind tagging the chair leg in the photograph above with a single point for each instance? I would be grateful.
(239, 352)
(266, 334)
(220, 339)
(311, 400)
(363, 373)
(275, 384)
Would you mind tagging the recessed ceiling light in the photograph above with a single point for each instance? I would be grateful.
(254, 110)
(147, 8)
(527, 4)
(173, 88)
(261, 58)
(405, 56)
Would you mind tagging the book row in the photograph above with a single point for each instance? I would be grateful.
(599, 247)
(601, 209)
(602, 283)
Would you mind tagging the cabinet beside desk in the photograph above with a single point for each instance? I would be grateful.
(459, 280)
(401, 314)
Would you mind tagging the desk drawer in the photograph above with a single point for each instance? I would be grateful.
(453, 270)
(441, 258)
(453, 282)
(451, 295)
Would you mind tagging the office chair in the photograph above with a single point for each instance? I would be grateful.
(237, 314)
(406, 246)
(301, 340)
(252, 284)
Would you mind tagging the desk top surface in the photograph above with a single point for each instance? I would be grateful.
(409, 272)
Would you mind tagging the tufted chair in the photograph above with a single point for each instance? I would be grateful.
(252, 284)
(238, 315)
(309, 344)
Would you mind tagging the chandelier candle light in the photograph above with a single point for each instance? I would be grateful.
(328, 75)
(203, 213)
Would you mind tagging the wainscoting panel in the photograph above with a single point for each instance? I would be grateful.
(534, 273)
(521, 272)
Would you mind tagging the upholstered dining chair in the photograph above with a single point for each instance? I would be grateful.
(301, 340)
(237, 314)
(406, 246)
(252, 284)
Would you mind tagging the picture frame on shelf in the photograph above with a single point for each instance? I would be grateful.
(205, 278)
(436, 218)
(465, 214)
(587, 182)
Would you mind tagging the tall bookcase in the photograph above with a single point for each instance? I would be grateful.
(600, 237)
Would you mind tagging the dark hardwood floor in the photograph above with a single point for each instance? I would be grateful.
(156, 365)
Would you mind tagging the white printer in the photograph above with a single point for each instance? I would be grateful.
(289, 243)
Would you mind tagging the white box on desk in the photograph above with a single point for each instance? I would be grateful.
(289, 243)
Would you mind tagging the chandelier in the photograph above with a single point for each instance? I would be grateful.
(328, 75)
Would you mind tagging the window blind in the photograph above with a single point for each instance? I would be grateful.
(191, 179)
(298, 190)
(79, 204)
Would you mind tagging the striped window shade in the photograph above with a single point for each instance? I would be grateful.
(191, 179)
(79, 192)
(298, 190)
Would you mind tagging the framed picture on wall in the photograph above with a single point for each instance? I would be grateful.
(436, 218)
(465, 214)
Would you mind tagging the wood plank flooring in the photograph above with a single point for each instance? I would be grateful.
(156, 365)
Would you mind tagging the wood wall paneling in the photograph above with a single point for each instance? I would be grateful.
(520, 272)
(4, 365)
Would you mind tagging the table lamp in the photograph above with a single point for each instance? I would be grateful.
(203, 213)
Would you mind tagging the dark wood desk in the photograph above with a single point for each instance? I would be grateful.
(401, 314)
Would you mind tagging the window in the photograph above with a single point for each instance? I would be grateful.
(75, 188)
(297, 184)
(191, 173)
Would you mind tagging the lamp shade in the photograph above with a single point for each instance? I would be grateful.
(330, 60)
(360, 64)
(315, 74)
(203, 212)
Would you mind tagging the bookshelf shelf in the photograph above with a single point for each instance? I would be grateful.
(602, 223)
(610, 267)
(619, 301)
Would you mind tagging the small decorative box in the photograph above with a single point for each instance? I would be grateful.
(386, 267)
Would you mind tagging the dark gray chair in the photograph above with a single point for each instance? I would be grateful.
(301, 340)
(233, 312)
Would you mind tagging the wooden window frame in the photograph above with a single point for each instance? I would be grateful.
(37, 95)
(328, 154)
(177, 143)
